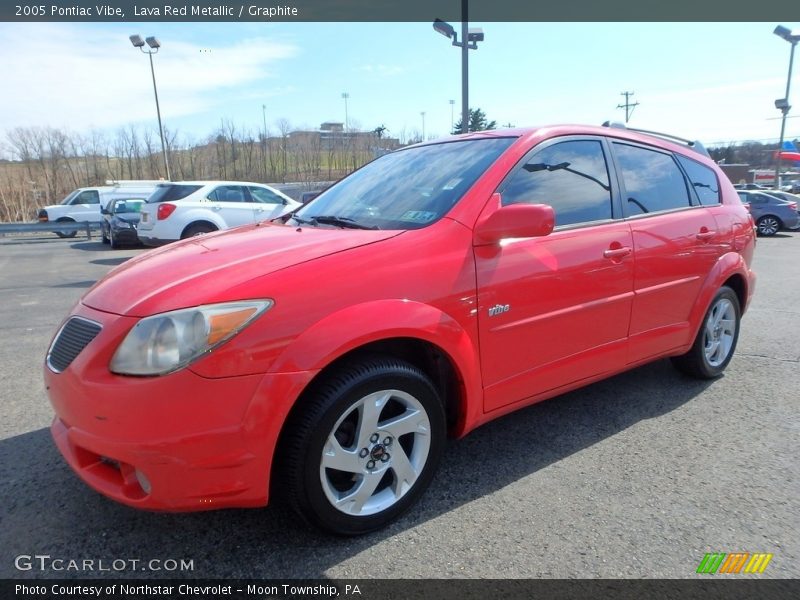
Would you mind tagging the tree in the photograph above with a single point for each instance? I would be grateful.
(379, 131)
(477, 121)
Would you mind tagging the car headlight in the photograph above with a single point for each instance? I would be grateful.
(167, 342)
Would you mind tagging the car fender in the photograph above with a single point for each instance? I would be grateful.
(355, 326)
(729, 264)
(194, 215)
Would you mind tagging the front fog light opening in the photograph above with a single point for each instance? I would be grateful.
(144, 482)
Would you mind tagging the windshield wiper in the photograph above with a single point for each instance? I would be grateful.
(341, 222)
(300, 220)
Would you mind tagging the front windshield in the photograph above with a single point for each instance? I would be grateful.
(70, 196)
(407, 189)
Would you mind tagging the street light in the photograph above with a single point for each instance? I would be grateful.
(345, 96)
(452, 122)
(782, 104)
(154, 44)
(422, 114)
(469, 41)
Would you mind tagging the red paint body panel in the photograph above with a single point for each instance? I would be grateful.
(583, 303)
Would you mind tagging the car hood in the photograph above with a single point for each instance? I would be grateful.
(202, 269)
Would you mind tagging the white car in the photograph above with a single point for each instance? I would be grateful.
(184, 209)
(85, 204)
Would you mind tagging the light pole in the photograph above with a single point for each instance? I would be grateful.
(782, 104)
(452, 122)
(345, 96)
(469, 40)
(422, 114)
(154, 44)
(264, 115)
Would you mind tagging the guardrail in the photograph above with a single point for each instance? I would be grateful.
(56, 227)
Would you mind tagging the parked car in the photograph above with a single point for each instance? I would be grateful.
(184, 209)
(750, 186)
(327, 358)
(119, 223)
(84, 204)
(770, 212)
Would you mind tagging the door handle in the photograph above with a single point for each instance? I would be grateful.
(706, 235)
(617, 252)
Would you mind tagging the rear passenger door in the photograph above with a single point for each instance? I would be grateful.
(232, 204)
(676, 241)
(554, 310)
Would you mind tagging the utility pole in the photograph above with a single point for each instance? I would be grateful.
(628, 106)
(422, 114)
(264, 114)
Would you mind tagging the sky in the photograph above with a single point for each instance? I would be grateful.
(715, 82)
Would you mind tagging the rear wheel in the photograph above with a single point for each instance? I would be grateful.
(112, 240)
(716, 341)
(197, 229)
(768, 225)
(364, 447)
(66, 234)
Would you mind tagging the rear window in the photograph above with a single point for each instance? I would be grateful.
(165, 193)
(703, 180)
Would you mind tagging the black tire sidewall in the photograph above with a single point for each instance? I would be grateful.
(321, 512)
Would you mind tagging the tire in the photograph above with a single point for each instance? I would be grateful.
(197, 229)
(104, 235)
(351, 468)
(113, 241)
(768, 225)
(716, 340)
(66, 234)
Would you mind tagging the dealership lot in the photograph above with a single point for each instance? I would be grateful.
(637, 476)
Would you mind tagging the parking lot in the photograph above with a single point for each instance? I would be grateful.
(636, 476)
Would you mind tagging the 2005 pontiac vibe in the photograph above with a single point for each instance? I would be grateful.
(327, 357)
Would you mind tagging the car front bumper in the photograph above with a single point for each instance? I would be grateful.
(179, 442)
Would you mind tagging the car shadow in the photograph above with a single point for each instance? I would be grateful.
(76, 284)
(45, 509)
(91, 246)
(111, 262)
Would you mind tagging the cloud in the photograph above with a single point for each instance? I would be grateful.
(383, 70)
(83, 76)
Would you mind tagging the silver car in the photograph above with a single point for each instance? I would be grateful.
(770, 213)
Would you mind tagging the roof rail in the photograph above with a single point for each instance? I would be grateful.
(693, 144)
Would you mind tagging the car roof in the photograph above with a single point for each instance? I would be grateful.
(530, 133)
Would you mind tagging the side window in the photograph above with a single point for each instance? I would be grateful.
(264, 196)
(652, 179)
(571, 176)
(703, 179)
(229, 193)
(87, 197)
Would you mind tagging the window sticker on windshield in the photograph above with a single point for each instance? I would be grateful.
(418, 216)
(452, 183)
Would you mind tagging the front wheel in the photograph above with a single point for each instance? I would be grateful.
(364, 446)
(716, 341)
(66, 234)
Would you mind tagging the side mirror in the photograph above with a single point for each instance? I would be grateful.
(514, 221)
(104, 211)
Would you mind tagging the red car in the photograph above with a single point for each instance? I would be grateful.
(328, 357)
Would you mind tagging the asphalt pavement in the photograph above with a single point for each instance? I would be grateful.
(637, 476)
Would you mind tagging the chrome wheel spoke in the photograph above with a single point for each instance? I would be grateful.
(404, 472)
(336, 457)
(369, 414)
(353, 502)
(412, 421)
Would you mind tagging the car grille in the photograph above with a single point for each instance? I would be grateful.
(69, 342)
